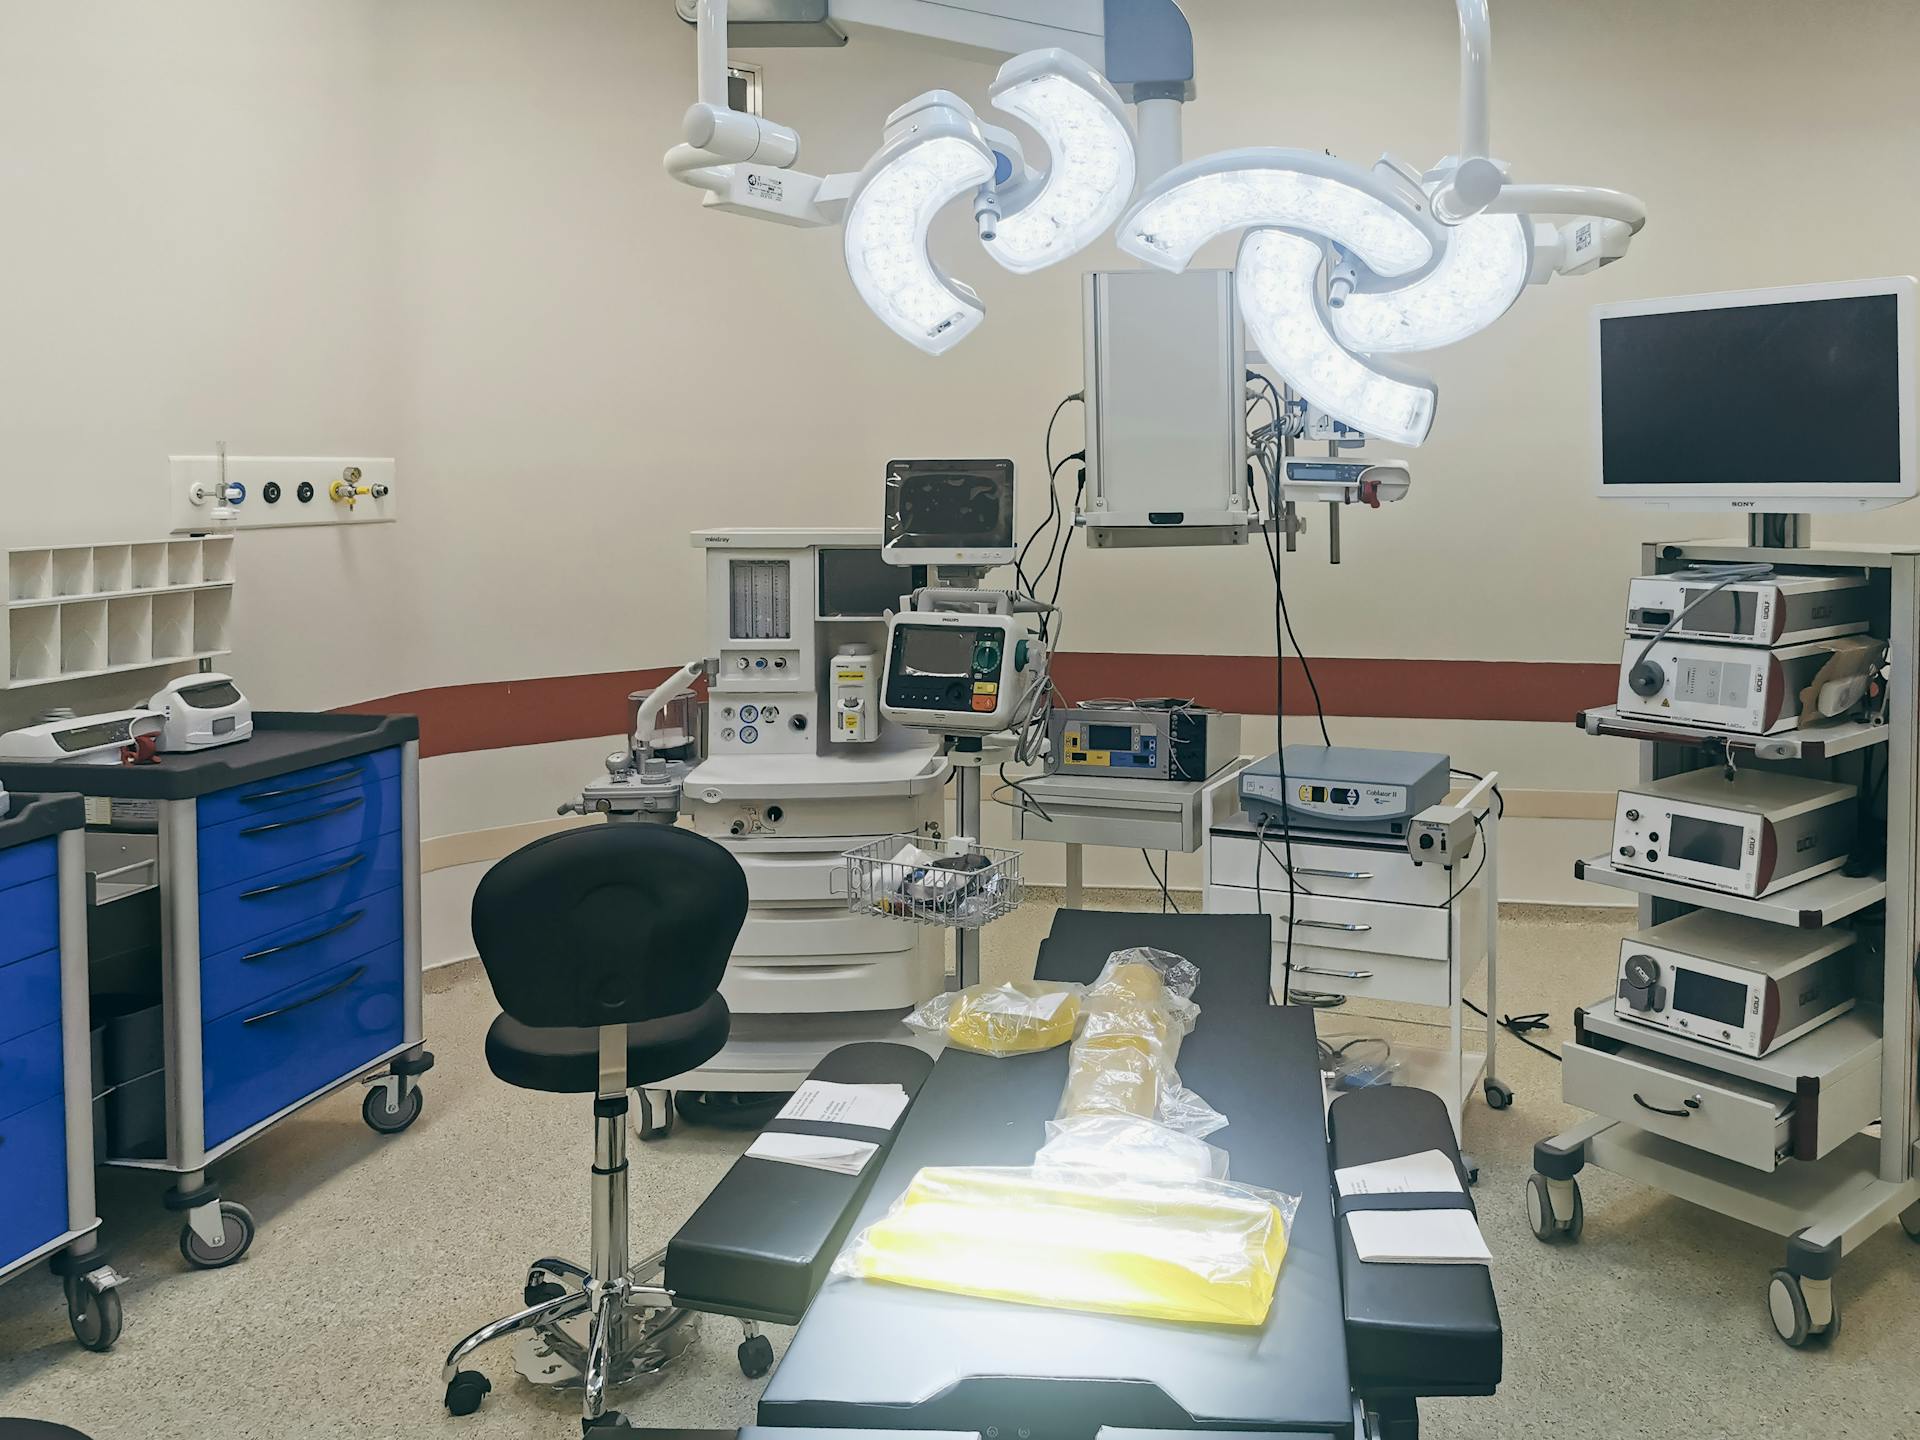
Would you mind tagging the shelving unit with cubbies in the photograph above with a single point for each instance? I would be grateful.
(1786, 1142)
(78, 611)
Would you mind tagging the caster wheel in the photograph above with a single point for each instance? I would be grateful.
(542, 1291)
(756, 1356)
(1471, 1166)
(1547, 1228)
(1910, 1223)
(236, 1225)
(727, 1109)
(1787, 1308)
(95, 1315)
(612, 1420)
(385, 1121)
(466, 1390)
(1499, 1094)
(653, 1121)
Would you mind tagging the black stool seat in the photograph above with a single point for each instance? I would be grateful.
(566, 1061)
(37, 1430)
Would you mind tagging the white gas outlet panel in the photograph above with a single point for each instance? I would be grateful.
(278, 491)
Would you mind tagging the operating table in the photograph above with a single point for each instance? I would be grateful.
(1345, 1352)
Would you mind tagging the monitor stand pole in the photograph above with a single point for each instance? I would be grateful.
(1780, 532)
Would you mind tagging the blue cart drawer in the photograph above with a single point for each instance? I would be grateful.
(29, 995)
(29, 915)
(288, 834)
(272, 962)
(266, 1056)
(33, 1179)
(29, 1069)
(35, 860)
(299, 787)
(319, 885)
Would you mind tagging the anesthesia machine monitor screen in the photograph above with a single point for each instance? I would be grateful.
(959, 505)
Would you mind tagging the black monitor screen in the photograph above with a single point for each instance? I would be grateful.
(1714, 397)
(1705, 842)
(950, 504)
(858, 584)
(1709, 996)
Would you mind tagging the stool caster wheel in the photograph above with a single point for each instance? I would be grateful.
(1791, 1315)
(653, 1120)
(465, 1392)
(541, 1292)
(95, 1315)
(756, 1356)
(1499, 1094)
(383, 1120)
(1549, 1227)
(612, 1420)
(236, 1238)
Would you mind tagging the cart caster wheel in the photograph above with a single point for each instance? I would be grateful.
(1548, 1228)
(653, 1120)
(1787, 1308)
(540, 1292)
(612, 1420)
(95, 1315)
(1910, 1223)
(756, 1356)
(465, 1392)
(1499, 1094)
(385, 1121)
(236, 1238)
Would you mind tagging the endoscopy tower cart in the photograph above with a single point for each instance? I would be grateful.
(1787, 1141)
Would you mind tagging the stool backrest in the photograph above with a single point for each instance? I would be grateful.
(613, 924)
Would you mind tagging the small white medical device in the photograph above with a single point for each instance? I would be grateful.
(1741, 984)
(91, 739)
(1752, 835)
(1775, 610)
(201, 711)
(1736, 688)
(855, 696)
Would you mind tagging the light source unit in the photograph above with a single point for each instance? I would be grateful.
(1091, 161)
(933, 153)
(1482, 269)
(1384, 223)
(1279, 283)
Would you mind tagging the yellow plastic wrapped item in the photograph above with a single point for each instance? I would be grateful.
(1020, 1017)
(1137, 1013)
(1201, 1251)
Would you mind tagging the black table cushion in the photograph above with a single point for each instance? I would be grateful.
(1411, 1329)
(762, 1242)
(567, 1061)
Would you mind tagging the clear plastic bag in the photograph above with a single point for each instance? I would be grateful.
(1199, 1251)
(1136, 1014)
(1127, 1145)
(1358, 1062)
(1021, 1017)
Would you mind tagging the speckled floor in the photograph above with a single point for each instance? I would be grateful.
(375, 1255)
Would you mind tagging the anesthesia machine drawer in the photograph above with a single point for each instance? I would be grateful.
(318, 885)
(1704, 1109)
(279, 1050)
(33, 1197)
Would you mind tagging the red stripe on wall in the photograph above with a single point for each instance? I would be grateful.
(458, 719)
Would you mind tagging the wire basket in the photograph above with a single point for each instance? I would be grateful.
(956, 884)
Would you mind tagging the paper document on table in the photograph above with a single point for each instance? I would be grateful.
(1427, 1173)
(1419, 1237)
(816, 1152)
(873, 1107)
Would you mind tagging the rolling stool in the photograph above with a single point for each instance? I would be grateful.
(605, 947)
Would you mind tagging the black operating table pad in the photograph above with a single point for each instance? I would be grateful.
(871, 1356)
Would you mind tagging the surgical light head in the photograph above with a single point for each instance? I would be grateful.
(1091, 162)
(934, 153)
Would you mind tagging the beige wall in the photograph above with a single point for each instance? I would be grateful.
(438, 229)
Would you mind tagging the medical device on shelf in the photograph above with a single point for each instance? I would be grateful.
(1691, 389)
(1741, 984)
(961, 673)
(856, 696)
(201, 711)
(1375, 792)
(94, 739)
(1372, 483)
(1738, 688)
(1774, 610)
(1750, 835)
(950, 514)
(1444, 834)
(1173, 740)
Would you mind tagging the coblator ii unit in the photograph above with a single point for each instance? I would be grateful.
(1319, 787)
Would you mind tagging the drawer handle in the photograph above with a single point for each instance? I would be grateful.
(1334, 874)
(327, 874)
(1332, 925)
(333, 989)
(1333, 974)
(328, 814)
(326, 782)
(1688, 1106)
(347, 924)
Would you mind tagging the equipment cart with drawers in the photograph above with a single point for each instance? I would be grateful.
(46, 1118)
(255, 944)
(1782, 1140)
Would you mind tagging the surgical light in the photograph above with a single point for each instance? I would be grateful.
(1481, 272)
(1090, 174)
(1383, 224)
(933, 154)
(1279, 275)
